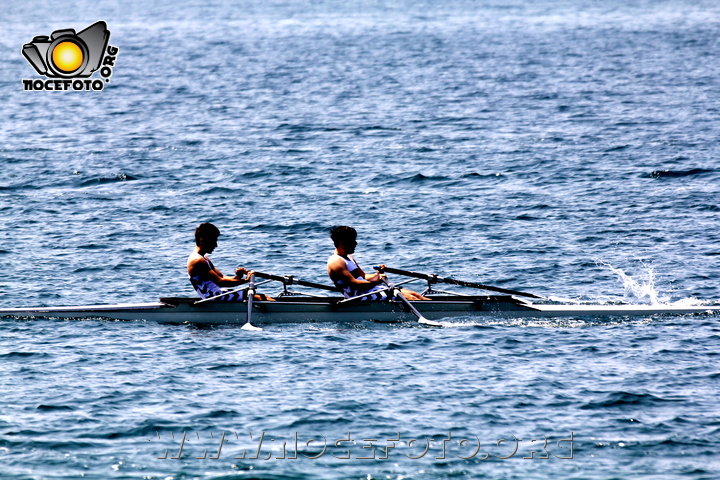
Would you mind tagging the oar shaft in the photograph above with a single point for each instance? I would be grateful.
(462, 283)
(230, 292)
(250, 298)
(363, 295)
(373, 292)
(409, 305)
(289, 280)
(398, 294)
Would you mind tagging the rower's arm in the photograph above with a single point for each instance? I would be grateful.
(376, 277)
(200, 268)
(337, 270)
(225, 281)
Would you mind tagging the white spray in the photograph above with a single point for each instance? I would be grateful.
(642, 287)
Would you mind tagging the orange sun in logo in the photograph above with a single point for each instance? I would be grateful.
(67, 56)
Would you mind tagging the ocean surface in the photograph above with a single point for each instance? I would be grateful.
(565, 148)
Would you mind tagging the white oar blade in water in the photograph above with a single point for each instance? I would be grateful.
(429, 323)
(251, 327)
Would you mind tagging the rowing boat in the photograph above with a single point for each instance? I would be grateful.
(311, 309)
(290, 307)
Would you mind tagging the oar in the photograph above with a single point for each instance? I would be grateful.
(373, 292)
(363, 295)
(290, 280)
(398, 294)
(250, 298)
(230, 292)
(432, 278)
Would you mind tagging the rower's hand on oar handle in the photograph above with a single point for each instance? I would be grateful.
(241, 272)
(380, 275)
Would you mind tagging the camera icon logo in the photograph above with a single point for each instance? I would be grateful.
(67, 54)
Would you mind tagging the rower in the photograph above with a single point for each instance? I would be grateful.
(347, 275)
(206, 279)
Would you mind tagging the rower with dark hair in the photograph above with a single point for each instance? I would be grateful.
(347, 274)
(205, 278)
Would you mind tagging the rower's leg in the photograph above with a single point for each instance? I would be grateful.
(263, 297)
(410, 295)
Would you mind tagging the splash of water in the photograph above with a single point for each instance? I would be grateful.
(640, 287)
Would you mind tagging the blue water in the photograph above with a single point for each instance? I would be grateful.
(563, 148)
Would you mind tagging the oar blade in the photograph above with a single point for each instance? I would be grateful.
(250, 327)
(429, 323)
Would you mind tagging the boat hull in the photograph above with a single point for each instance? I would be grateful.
(325, 309)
